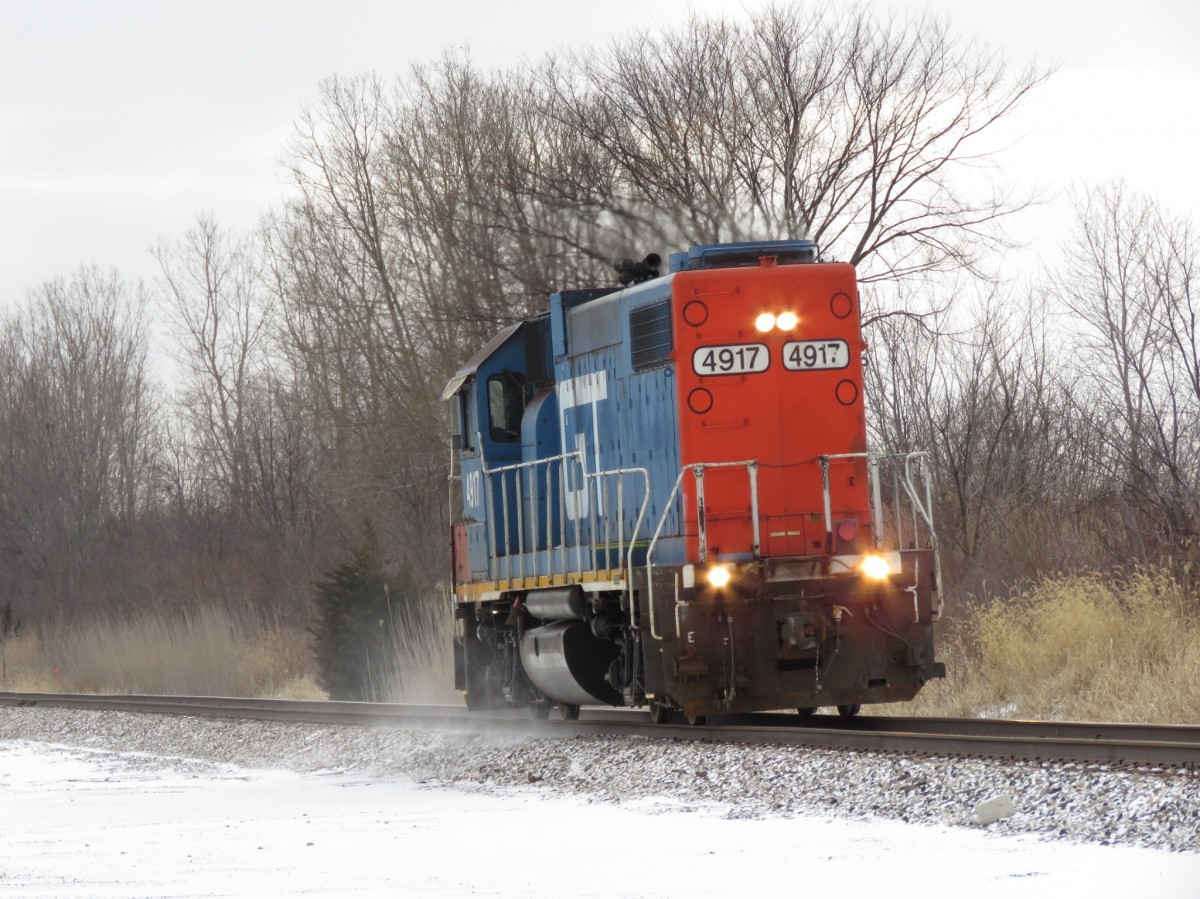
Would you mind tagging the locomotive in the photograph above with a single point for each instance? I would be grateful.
(668, 501)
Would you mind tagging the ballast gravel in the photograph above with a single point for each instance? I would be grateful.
(1083, 803)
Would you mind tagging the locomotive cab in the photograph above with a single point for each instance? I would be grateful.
(667, 498)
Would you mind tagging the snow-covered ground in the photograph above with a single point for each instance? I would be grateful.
(78, 820)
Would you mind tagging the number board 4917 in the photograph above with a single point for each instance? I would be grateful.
(813, 355)
(731, 359)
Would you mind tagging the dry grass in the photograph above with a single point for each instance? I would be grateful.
(211, 651)
(1076, 647)
(423, 669)
(217, 652)
(24, 671)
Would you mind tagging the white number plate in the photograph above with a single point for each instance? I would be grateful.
(732, 359)
(811, 355)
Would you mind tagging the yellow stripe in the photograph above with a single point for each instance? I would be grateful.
(465, 592)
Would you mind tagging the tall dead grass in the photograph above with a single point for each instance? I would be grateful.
(422, 669)
(218, 651)
(211, 650)
(1080, 647)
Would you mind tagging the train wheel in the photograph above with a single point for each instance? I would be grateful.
(660, 712)
(540, 709)
(806, 711)
(697, 720)
(568, 712)
(849, 711)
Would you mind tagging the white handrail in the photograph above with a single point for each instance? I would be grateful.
(596, 484)
(698, 469)
(922, 509)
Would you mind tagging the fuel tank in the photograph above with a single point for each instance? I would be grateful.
(567, 662)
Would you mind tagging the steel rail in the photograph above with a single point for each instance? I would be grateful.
(1088, 742)
(1046, 730)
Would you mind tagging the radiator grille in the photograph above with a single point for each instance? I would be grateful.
(650, 335)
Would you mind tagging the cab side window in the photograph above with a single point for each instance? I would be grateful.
(464, 439)
(506, 406)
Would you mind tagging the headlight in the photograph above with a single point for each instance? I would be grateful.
(787, 321)
(875, 567)
(719, 575)
(765, 322)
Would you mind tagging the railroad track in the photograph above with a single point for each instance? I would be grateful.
(1173, 746)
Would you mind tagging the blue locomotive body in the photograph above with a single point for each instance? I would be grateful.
(558, 401)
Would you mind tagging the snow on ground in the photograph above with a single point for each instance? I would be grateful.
(78, 822)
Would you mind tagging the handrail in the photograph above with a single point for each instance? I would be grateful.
(698, 469)
(596, 494)
(923, 509)
(907, 470)
(650, 552)
(627, 565)
(926, 513)
(873, 459)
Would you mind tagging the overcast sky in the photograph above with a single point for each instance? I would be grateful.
(121, 120)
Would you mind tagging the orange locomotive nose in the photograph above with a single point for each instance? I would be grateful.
(783, 395)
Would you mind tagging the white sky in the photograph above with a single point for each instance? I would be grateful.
(121, 120)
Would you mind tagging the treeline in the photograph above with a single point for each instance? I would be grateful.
(429, 210)
(1064, 416)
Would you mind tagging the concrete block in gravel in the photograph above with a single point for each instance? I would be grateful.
(992, 810)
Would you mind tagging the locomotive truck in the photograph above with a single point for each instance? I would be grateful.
(667, 500)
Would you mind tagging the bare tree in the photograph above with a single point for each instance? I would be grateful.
(211, 284)
(1128, 283)
(417, 236)
(240, 413)
(76, 430)
(873, 139)
(1017, 480)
